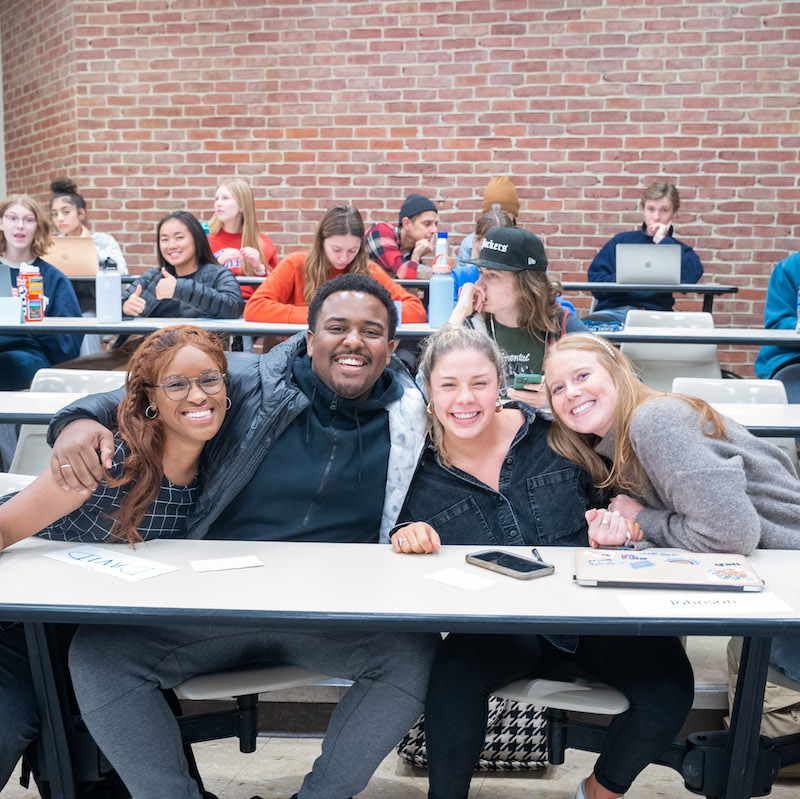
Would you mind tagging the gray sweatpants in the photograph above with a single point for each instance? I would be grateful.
(117, 673)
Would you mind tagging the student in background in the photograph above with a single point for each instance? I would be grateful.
(487, 478)
(68, 214)
(399, 250)
(148, 492)
(780, 313)
(500, 195)
(234, 236)
(467, 271)
(339, 248)
(514, 301)
(188, 282)
(24, 238)
(659, 203)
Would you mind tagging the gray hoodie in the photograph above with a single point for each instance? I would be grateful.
(709, 494)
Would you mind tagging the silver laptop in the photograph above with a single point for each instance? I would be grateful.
(649, 263)
(75, 256)
(665, 568)
(5, 281)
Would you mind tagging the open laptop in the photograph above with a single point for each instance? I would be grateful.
(665, 568)
(648, 263)
(73, 255)
(5, 281)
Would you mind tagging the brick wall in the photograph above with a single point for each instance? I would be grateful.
(148, 104)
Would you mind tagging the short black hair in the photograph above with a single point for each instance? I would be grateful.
(362, 283)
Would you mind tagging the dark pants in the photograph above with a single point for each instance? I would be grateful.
(653, 673)
(19, 712)
(17, 368)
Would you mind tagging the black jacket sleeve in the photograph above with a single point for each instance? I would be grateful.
(216, 296)
(100, 407)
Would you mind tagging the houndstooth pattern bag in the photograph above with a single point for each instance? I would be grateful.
(516, 739)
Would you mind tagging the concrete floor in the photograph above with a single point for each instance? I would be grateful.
(276, 769)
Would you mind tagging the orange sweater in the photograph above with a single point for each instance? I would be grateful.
(280, 297)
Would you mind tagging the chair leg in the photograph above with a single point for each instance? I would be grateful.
(248, 722)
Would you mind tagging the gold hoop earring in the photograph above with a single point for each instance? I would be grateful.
(498, 406)
(430, 409)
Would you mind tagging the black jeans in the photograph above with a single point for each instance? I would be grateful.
(653, 673)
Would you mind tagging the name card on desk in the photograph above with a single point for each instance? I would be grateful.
(695, 605)
(124, 566)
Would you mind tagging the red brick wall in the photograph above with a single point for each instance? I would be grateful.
(148, 104)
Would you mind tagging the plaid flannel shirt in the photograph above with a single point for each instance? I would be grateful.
(383, 245)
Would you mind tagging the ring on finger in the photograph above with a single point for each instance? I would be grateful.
(402, 541)
(606, 519)
(65, 466)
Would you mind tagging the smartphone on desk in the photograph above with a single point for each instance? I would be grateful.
(511, 565)
(521, 380)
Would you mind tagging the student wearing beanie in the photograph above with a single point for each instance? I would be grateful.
(500, 195)
(398, 250)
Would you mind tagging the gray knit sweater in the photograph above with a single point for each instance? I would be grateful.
(709, 494)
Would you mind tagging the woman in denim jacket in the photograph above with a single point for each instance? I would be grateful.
(488, 477)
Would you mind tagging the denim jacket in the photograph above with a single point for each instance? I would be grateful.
(541, 501)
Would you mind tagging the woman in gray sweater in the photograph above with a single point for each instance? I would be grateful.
(688, 476)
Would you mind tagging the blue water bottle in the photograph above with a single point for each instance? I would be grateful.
(440, 292)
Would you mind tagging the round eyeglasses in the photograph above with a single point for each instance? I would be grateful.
(177, 387)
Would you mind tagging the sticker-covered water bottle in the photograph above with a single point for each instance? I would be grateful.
(31, 291)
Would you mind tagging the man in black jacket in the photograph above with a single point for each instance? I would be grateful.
(319, 445)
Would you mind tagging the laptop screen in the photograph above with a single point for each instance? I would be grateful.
(649, 263)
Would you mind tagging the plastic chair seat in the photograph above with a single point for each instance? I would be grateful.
(658, 364)
(250, 680)
(10, 483)
(575, 694)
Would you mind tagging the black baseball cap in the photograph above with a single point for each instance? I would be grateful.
(511, 249)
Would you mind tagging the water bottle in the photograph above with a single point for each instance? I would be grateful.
(440, 291)
(30, 289)
(797, 326)
(441, 243)
(108, 292)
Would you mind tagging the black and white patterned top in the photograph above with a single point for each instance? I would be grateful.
(91, 522)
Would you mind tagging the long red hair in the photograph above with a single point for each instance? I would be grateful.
(144, 437)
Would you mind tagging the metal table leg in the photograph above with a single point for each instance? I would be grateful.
(743, 737)
(54, 738)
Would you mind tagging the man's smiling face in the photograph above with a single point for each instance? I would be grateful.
(350, 347)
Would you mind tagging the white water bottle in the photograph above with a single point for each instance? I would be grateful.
(108, 292)
(440, 292)
(441, 244)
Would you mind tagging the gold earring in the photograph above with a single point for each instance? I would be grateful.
(498, 406)
(430, 409)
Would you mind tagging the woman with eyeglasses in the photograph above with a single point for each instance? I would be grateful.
(175, 401)
(24, 239)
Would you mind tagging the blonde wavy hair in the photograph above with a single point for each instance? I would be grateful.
(339, 220)
(42, 239)
(626, 473)
(243, 194)
(452, 338)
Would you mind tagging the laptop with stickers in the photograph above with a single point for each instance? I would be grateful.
(665, 568)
